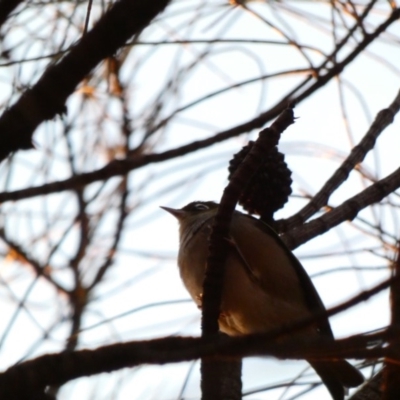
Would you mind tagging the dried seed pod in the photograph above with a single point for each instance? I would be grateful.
(269, 189)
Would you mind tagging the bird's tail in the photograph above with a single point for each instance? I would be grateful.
(337, 376)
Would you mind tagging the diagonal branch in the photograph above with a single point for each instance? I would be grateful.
(6, 8)
(40, 270)
(47, 97)
(357, 155)
(348, 210)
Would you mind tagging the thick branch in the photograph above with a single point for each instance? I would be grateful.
(212, 373)
(19, 381)
(47, 97)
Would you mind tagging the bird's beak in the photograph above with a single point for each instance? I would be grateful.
(176, 212)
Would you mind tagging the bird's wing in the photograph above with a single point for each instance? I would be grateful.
(280, 273)
(250, 272)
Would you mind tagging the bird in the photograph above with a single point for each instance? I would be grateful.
(264, 284)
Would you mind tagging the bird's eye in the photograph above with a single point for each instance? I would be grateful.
(201, 206)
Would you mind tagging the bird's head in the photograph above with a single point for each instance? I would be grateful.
(193, 214)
